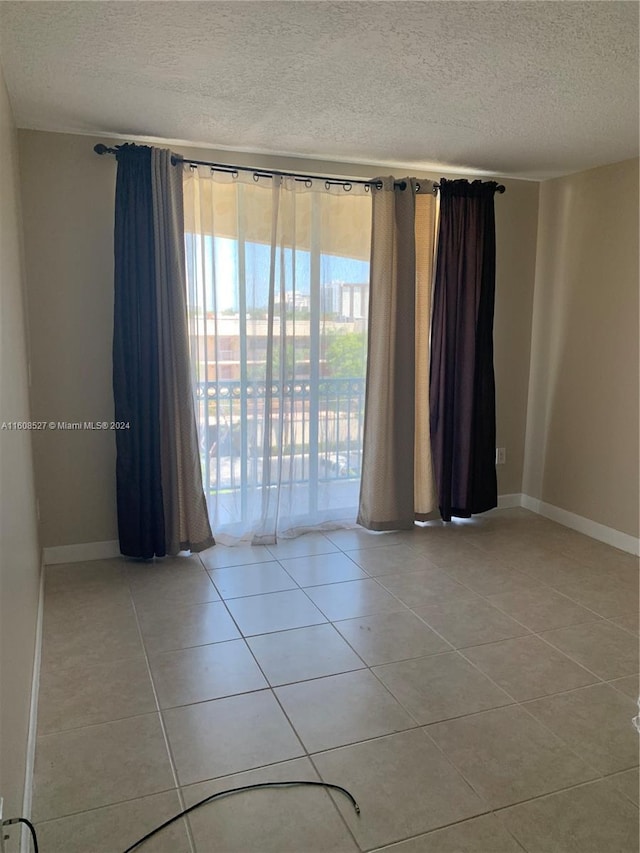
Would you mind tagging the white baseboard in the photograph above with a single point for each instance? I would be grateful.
(509, 501)
(82, 552)
(617, 539)
(25, 838)
(601, 532)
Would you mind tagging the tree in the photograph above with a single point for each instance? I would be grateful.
(296, 362)
(346, 353)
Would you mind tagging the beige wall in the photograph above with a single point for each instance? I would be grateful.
(582, 432)
(19, 549)
(516, 228)
(68, 195)
(68, 212)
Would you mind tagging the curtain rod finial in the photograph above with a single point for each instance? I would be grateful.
(103, 149)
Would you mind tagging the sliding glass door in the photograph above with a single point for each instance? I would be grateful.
(278, 290)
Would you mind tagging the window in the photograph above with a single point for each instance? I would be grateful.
(278, 294)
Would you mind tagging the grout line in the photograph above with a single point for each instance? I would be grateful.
(499, 809)
(424, 727)
(334, 801)
(172, 763)
(569, 746)
(391, 845)
(515, 702)
(306, 754)
(530, 632)
(264, 675)
(109, 806)
(55, 732)
(528, 799)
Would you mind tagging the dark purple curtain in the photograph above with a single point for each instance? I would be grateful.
(135, 360)
(462, 385)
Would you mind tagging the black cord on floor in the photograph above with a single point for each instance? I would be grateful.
(236, 791)
(12, 821)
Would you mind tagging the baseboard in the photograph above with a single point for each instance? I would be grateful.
(80, 553)
(601, 532)
(25, 838)
(617, 539)
(509, 501)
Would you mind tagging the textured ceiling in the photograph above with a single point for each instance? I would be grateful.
(530, 89)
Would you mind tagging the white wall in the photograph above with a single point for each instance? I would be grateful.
(19, 549)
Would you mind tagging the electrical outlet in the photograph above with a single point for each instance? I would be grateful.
(9, 835)
(11, 839)
(501, 455)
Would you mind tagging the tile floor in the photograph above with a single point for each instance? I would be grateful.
(472, 685)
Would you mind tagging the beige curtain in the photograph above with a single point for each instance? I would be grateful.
(185, 512)
(397, 479)
(426, 222)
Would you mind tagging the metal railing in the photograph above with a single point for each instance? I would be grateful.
(311, 430)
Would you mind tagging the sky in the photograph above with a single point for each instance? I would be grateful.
(257, 263)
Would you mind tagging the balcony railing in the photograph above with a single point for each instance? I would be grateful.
(315, 433)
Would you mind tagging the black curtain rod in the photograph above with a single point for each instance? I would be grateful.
(269, 173)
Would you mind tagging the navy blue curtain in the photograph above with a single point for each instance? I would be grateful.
(462, 385)
(141, 523)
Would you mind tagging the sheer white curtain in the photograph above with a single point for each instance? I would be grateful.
(278, 289)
